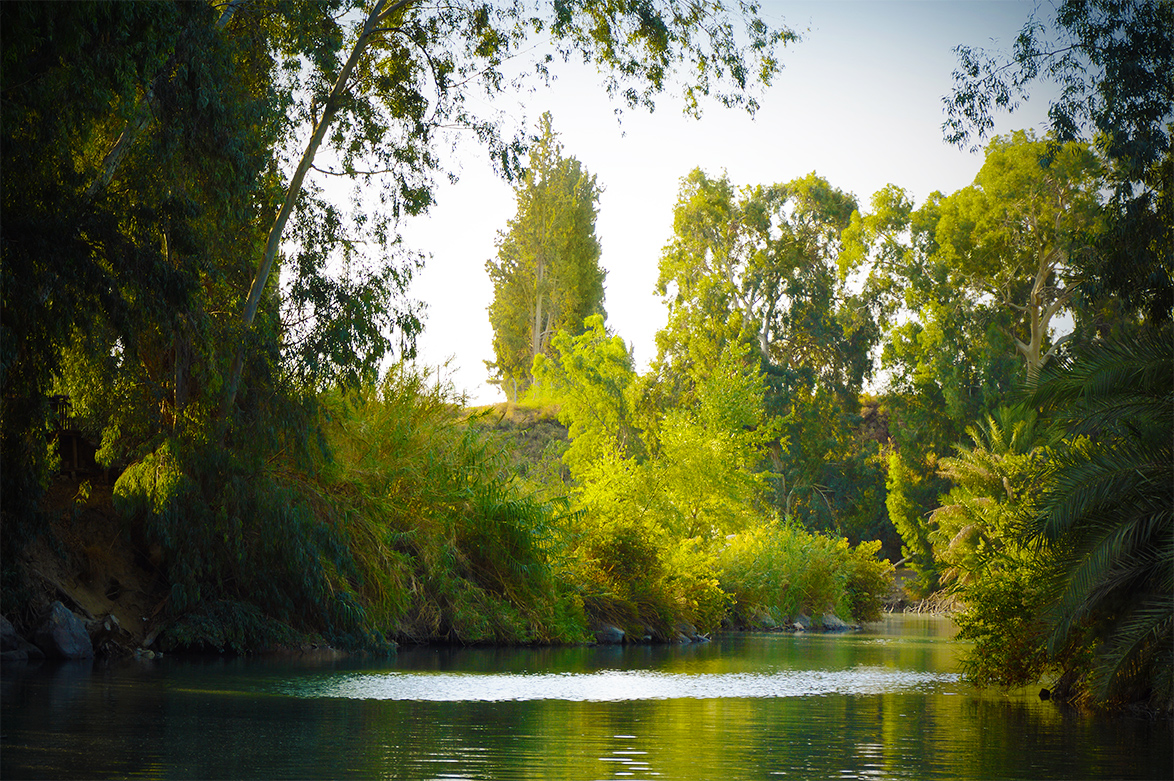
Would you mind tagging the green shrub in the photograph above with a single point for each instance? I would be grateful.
(781, 571)
(1004, 618)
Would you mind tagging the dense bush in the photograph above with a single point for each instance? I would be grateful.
(781, 571)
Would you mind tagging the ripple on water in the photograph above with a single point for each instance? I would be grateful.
(614, 685)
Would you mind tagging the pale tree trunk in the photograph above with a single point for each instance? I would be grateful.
(536, 323)
(134, 126)
(378, 15)
(1040, 315)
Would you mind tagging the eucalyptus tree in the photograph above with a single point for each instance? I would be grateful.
(972, 284)
(123, 239)
(1114, 62)
(370, 85)
(385, 77)
(760, 268)
(1016, 236)
(546, 277)
(161, 160)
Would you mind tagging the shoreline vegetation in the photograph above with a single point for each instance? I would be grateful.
(533, 579)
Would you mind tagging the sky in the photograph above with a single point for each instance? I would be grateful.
(858, 102)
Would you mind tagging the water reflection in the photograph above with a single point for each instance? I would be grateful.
(614, 685)
(886, 703)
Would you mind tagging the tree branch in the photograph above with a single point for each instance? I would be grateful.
(135, 125)
(1052, 350)
(328, 172)
(331, 107)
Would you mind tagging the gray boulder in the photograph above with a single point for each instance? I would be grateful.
(609, 635)
(760, 618)
(63, 635)
(687, 633)
(833, 623)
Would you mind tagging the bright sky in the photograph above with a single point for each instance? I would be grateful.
(858, 102)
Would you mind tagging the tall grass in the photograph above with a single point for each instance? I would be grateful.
(407, 522)
(474, 557)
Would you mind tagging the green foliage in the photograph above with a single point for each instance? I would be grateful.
(592, 379)
(1108, 517)
(980, 524)
(127, 274)
(478, 560)
(634, 575)
(229, 624)
(906, 501)
(781, 571)
(869, 580)
(1017, 233)
(1113, 60)
(1064, 549)
(546, 277)
(406, 525)
(759, 266)
(1004, 619)
(219, 546)
(144, 153)
(707, 464)
(979, 536)
(759, 272)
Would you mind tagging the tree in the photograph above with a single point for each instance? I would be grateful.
(759, 268)
(592, 377)
(119, 119)
(410, 69)
(707, 466)
(1017, 232)
(122, 252)
(1108, 517)
(947, 351)
(546, 277)
(1001, 254)
(997, 481)
(1114, 60)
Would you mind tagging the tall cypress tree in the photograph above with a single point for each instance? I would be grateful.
(546, 276)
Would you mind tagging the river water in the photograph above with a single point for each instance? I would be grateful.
(885, 702)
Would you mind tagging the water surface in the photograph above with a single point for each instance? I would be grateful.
(886, 702)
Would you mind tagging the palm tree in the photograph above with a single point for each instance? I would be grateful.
(1107, 515)
(996, 484)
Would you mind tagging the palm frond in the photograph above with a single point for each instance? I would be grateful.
(1108, 516)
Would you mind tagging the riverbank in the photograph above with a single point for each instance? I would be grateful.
(94, 565)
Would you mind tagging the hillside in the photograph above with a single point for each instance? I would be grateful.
(535, 436)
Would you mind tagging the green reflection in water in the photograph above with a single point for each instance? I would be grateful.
(250, 719)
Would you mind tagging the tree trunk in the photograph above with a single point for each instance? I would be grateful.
(378, 15)
(134, 126)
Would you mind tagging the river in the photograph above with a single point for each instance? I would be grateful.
(886, 702)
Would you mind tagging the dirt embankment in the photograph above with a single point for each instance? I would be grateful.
(538, 439)
(94, 563)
